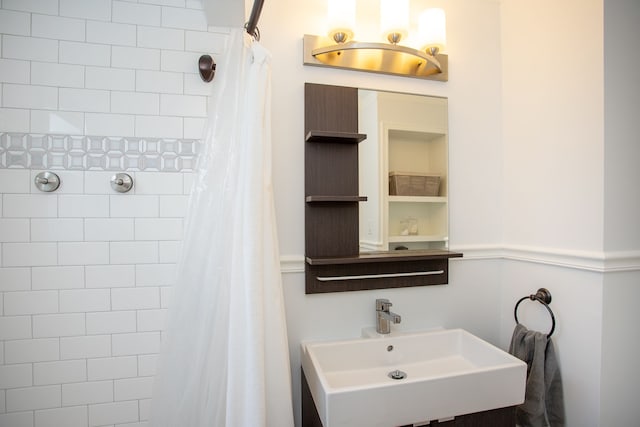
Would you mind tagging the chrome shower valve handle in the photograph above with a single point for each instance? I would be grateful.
(47, 181)
(121, 182)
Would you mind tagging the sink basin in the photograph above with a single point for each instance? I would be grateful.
(448, 372)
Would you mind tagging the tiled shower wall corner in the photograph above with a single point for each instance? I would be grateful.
(89, 87)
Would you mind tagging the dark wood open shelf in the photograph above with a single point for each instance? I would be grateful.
(330, 136)
(311, 199)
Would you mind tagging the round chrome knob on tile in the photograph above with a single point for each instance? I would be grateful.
(47, 181)
(121, 182)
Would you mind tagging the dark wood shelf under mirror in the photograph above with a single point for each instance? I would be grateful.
(334, 262)
(385, 256)
(377, 270)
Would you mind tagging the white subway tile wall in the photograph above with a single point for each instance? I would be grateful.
(60, 55)
(88, 88)
(83, 281)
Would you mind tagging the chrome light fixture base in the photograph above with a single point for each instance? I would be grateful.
(375, 57)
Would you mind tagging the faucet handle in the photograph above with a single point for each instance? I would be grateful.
(383, 304)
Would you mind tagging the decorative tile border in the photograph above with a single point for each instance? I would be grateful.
(48, 151)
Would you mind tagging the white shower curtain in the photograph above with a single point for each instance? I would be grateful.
(225, 360)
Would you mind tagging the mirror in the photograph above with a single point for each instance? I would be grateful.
(403, 143)
(403, 171)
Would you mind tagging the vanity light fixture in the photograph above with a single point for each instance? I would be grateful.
(339, 50)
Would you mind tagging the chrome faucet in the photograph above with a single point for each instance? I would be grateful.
(384, 317)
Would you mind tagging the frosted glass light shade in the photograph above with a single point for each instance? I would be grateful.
(432, 29)
(341, 16)
(394, 17)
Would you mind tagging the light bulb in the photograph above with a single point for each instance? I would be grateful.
(341, 16)
(394, 19)
(432, 29)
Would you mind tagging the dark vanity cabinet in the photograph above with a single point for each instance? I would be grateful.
(334, 262)
(501, 417)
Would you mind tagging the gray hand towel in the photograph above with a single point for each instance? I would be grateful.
(543, 402)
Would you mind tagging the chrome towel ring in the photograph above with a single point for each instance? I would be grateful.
(543, 296)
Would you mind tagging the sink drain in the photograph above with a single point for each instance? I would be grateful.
(397, 375)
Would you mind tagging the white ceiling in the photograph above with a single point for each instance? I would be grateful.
(227, 13)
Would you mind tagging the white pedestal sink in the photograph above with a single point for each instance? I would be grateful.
(448, 373)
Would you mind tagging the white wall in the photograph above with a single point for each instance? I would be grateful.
(620, 370)
(475, 171)
(553, 130)
(527, 180)
(621, 110)
(570, 206)
(474, 109)
(553, 124)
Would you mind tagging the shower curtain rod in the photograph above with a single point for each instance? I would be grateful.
(207, 65)
(252, 25)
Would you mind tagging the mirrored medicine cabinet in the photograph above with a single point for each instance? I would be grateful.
(376, 189)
